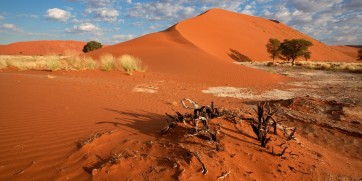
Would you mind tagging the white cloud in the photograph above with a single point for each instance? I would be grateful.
(9, 26)
(249, 9)
(129, 1)
(123, 37)
(2, 17)
(100, 3)
(157, 11)
(104, 14)
(83, 27)
(58, 14)
(313, 5)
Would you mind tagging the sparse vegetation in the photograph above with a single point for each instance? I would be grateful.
(360, 54)
(328, 66)
(273, 48)
(81, 63)
(292, 49)
(106, 62)
(92, 45)
(130, 64)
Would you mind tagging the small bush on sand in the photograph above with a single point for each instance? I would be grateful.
(269, 64)
(108, 62)
(130, 64)
(92, 45)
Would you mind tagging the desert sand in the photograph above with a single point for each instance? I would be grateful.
(43, 47)
(94, 125)
(351, 51)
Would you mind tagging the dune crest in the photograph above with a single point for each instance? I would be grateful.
(43, 47)
(221, 33)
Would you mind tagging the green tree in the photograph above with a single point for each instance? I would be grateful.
(92, 45)
(292, 49)
(273, 48)
(306, 55)
(360, 53)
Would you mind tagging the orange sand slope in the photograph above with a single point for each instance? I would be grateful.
(351, 51)
(221, 34)
(44, 47)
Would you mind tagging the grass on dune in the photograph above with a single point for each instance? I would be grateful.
(106, 62)
(130, 64)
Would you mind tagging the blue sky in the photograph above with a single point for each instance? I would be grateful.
(114, 21)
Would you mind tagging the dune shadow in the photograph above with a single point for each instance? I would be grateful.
(145, 122)
(237, 56)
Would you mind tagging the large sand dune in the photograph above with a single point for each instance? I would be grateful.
(43, 47)
(219, 33)
(349, 50)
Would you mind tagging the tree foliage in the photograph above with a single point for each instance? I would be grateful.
(306, 55)
(360, 53)
(292, 49)
(92, 45)
(273, 48)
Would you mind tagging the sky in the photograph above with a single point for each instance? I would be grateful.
(113, 21)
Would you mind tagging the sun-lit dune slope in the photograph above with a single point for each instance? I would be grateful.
(218, 32)
(351, 51)
(43, 47)
(169, 52)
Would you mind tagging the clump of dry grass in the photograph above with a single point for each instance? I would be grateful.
(53, 63)
(108, 62)
(332, 66)
(81, 63)
(130, 64)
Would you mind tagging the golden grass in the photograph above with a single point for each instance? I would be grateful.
(106, 62)
(130, 64)
(329, 66)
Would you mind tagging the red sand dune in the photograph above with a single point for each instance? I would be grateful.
(348, 50)
(221, 34)
(43, 47)
(43, 118)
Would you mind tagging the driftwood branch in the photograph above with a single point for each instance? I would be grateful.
(203, 167)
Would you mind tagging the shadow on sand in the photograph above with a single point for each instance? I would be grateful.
(237, 56)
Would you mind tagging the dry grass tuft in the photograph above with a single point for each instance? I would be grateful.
(81, 63)
(130, 64)
(108, 62)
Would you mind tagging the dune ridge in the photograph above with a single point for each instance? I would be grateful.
(219, 31)
(43, 47)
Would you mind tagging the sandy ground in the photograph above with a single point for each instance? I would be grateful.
(45, 115)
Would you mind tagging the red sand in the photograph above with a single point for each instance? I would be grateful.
(348, 50)
(43, 118)
(43, 47)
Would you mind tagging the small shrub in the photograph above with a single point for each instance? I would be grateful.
(107, 62)
(325, 66)
(269, 64)
(130, 64)
(92, 45)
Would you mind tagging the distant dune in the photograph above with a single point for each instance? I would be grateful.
(349, 50)
(43, 47)
(222, 34)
